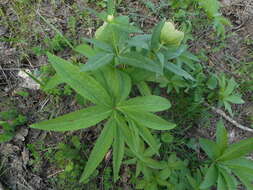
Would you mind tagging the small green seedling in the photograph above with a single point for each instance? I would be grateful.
(227, 93)
(9, 120)
(228, 165)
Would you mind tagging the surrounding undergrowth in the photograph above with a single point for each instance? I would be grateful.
(120, 78)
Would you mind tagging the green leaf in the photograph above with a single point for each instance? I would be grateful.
(83, 83)
(110, 7)
(127, 28)
(97, 61)
(210, 177)
(152, 163)
(210, 148)
(221, 183)
(100, 45)
(230, 179)
(212, 82)
(8, 131)
(221, 136)
(178, 70)
(230, 87)
(117, 83)
(148, 137)
(240, 163)
(237, 150)
(173, 53)
(192, 182)
(144, 88)
(155, 39)
(140, 41)
(139, 61)
(118, 151)
(75, 120)
(190, 56)
(244, 178)
(121, 123)
(146, 103)
(235, 99)
(165, 173)
(228, 107)
(100, 149)
(85, 50)
(150, 120)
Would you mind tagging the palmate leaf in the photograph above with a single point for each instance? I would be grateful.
(240, 163)
(146, 103)
(244, 178)
(149, 138)
(121, 123)
(235, 99)
(231, 85)
(83, 83)
(76, 120)
(118, 151)
(237, 150)
(221, 136)
(210, 148)
(150, 120)
(100, 149)
(230, 180)
(210, 177)
(117, 83)
(221, 184)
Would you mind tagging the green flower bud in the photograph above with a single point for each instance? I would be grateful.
(110, 18)
(99, 32)
(170, 35)
(104, 33)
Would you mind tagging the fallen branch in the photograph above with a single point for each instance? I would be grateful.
(225, 116)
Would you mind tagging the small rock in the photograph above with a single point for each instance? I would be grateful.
(36, 182)
(17, 163)
(21, 134)
(8, 149)
(2, 30)
(25, 156)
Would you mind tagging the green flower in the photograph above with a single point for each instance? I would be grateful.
(102, 29)
(170, 35)
(104, 32)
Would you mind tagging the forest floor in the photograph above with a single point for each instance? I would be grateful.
(26, 161)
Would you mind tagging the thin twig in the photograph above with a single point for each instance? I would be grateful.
(56, 173)
(225, 116)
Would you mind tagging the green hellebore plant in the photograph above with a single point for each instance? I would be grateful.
(128, 120)
(170, 35)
